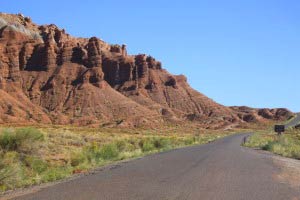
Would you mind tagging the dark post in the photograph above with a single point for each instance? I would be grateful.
(279, 129)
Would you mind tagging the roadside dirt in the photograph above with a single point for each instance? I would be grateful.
(290, 172)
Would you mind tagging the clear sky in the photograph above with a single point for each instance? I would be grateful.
(237, 52)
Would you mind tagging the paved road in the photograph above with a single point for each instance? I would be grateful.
(294, 122)
(222, 170)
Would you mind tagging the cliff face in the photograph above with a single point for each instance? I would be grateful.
(48, 76)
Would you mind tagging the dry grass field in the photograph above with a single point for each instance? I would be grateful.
(35, 155)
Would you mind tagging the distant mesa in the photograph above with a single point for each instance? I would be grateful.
(48, 76)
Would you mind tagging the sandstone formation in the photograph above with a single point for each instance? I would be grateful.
(257, 115)
(48, 76)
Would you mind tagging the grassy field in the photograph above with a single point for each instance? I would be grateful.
(31, 156)
(287, 145)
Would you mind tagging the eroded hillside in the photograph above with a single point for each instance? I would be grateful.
(48, 76)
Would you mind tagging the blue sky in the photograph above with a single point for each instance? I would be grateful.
(237, 52)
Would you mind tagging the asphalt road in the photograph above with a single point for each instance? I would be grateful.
(294, 122)
(222, 170)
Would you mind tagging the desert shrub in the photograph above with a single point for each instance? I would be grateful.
(121, 145)
(36, 164)
(135, 143)
(296, 153)
(92, 153)
(287, 145)
(162, 143)
(8, 140)
(109, 151)
(10, 171)
(188, 141)
(77, 158)
(131, 146)
(259, 140)
(55, 173)
(147, 145)
(266, 147)
(22, 140)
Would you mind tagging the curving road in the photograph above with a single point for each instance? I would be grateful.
(294, 122)
(222, 170)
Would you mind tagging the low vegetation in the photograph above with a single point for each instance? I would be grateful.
(30, 156)
(287, 145)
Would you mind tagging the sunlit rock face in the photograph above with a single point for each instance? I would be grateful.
(48, 76)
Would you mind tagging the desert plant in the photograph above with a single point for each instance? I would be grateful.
(22, 140)
(77, 158)
(8, 140)
(147, 145)
(56, 173)
(162, 143)
(189, 141)
(121, 145)
(92, 153)
(5, 174)
(109, 151)
(36, 164)
(287, 145)
(10, 170)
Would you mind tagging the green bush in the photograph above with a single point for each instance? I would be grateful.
(22, 140)
(55, 173)
(189, 141)
(8, 140)
(10, 171)
(36, 164)
(287, 145)
(131, 147)
(92, 153)
(259, 140)
(147, 145)
(121, 145)
(296, 153)
(109, 151)
(133, 144)
(162, 143)
(77, 159)
(106, 152)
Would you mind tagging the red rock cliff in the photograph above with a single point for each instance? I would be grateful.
(48, 76)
